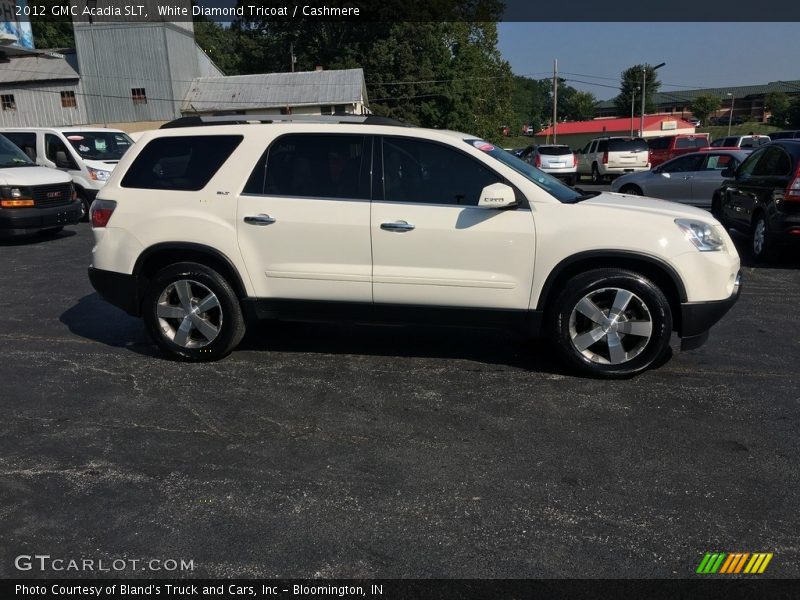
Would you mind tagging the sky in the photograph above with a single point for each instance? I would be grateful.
(592, 56)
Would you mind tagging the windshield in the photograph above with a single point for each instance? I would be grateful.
(12, 156)
(99, 145)
(549, 184)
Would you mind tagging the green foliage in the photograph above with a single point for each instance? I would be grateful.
(221, 44)
(49, 31)
(704, 106)
(777, 103)
(631, 88)
(794, 112)
(530, 101)
(580, 107)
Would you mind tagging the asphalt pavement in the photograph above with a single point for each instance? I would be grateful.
(330, 451)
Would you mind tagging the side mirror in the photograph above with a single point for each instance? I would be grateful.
(728, 172)
(62, 162)
(497, 195)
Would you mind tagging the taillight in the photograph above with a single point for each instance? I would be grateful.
(574, 159)
(792, 192)
(537, 161)
(101, 211)
(605, 157)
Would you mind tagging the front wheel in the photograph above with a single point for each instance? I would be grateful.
(596, 177)
(85, 205)
(192, 313)
(631, 190)
(611, 323)
(763, 239)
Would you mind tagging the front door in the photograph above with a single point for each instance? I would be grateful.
(432, 245)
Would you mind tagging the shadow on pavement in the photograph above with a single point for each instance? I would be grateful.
(38, 238)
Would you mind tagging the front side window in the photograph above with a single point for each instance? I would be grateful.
(749, 164)
(682, 164)
(12, 156)
(774, 162)
(180, 163)
(57, 152)
(24, 141)
(313, 166)
(429, 173)
(659, 143)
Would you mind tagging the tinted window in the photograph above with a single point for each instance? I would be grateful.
(749, 164)
(627, 145)
(682, 164)
(554, 150)
(313, 166)
(659, 143)
(774, 162)
(417, 171)
(602, 146)
(690, 143)
(25, 142)
(180, 163)
(781, 135)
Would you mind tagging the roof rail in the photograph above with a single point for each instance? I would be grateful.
(198, 120)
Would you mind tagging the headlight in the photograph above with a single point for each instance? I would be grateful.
(99, 174)
(702, 235)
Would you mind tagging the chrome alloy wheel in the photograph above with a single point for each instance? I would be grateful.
(759, 235)
(189, 314)
(610, 326)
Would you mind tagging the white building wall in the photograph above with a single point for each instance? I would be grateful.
(39, 105)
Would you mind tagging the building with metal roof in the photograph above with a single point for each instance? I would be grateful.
(747, 100)
(577, 133)
(309, 92)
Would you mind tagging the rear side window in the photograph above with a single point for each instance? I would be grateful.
(627, 145)
(184, 163)
(554, 150)
(313, 166)
(659, 143)
(718, 162)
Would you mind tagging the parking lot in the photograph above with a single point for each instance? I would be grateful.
(331, 451)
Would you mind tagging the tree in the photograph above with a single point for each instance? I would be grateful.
(777, 103)
(630, 84)
(704, 106)
(220, 44)
(50, 31)
(580, 107)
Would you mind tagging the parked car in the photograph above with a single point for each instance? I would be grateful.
(87, 154)
(762, 198)
(785, 135)
(694, 121)
(33, 199)
(689, 179)
(741, 141)
(666, 147)
(357, 219)
(605, 157)
(557, 160)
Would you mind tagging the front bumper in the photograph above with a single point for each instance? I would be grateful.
(697, 318)
(25, 221)
(119, 289)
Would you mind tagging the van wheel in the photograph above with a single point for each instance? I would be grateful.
(611, 323)
(192, 313)
(85, 204)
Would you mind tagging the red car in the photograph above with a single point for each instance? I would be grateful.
(667, 147)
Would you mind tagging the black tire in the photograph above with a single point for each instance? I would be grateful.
(646, 312)
(762, 239)
(632, 190)
(572, 180)
(186, 336)
(85, 204)
(596, 177)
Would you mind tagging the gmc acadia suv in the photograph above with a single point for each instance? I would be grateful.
(201, 229)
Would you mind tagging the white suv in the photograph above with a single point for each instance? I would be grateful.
(200, 229)
(604, 157)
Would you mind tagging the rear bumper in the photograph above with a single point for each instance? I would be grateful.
(119, 289)
(25, 221)
(697, 318)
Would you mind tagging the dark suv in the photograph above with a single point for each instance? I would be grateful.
(762, 197)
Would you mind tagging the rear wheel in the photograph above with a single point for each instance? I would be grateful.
(572, 180)
(596, 177)
(632, 190)
(192, 313)
(763, 239)
(611, 323)
(85, 204)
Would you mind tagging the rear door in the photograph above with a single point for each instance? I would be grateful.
(674, 179)
(303, 219)
(433, 246)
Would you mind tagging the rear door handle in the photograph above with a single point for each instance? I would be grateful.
(399, 226)
(261, 219)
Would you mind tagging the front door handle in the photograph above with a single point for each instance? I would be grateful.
(399, 226)
(261, 219)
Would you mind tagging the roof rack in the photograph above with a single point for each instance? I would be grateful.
(198, 120)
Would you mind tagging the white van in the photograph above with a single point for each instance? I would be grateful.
(87, 154)
(33, 199)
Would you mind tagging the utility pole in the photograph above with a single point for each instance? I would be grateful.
(644, 93)
(555, 99)
(291, 55)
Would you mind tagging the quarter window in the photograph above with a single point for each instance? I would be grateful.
(180, 163)
(314, 166)
(424, 172)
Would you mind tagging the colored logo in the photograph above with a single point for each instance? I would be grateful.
(730, 563)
